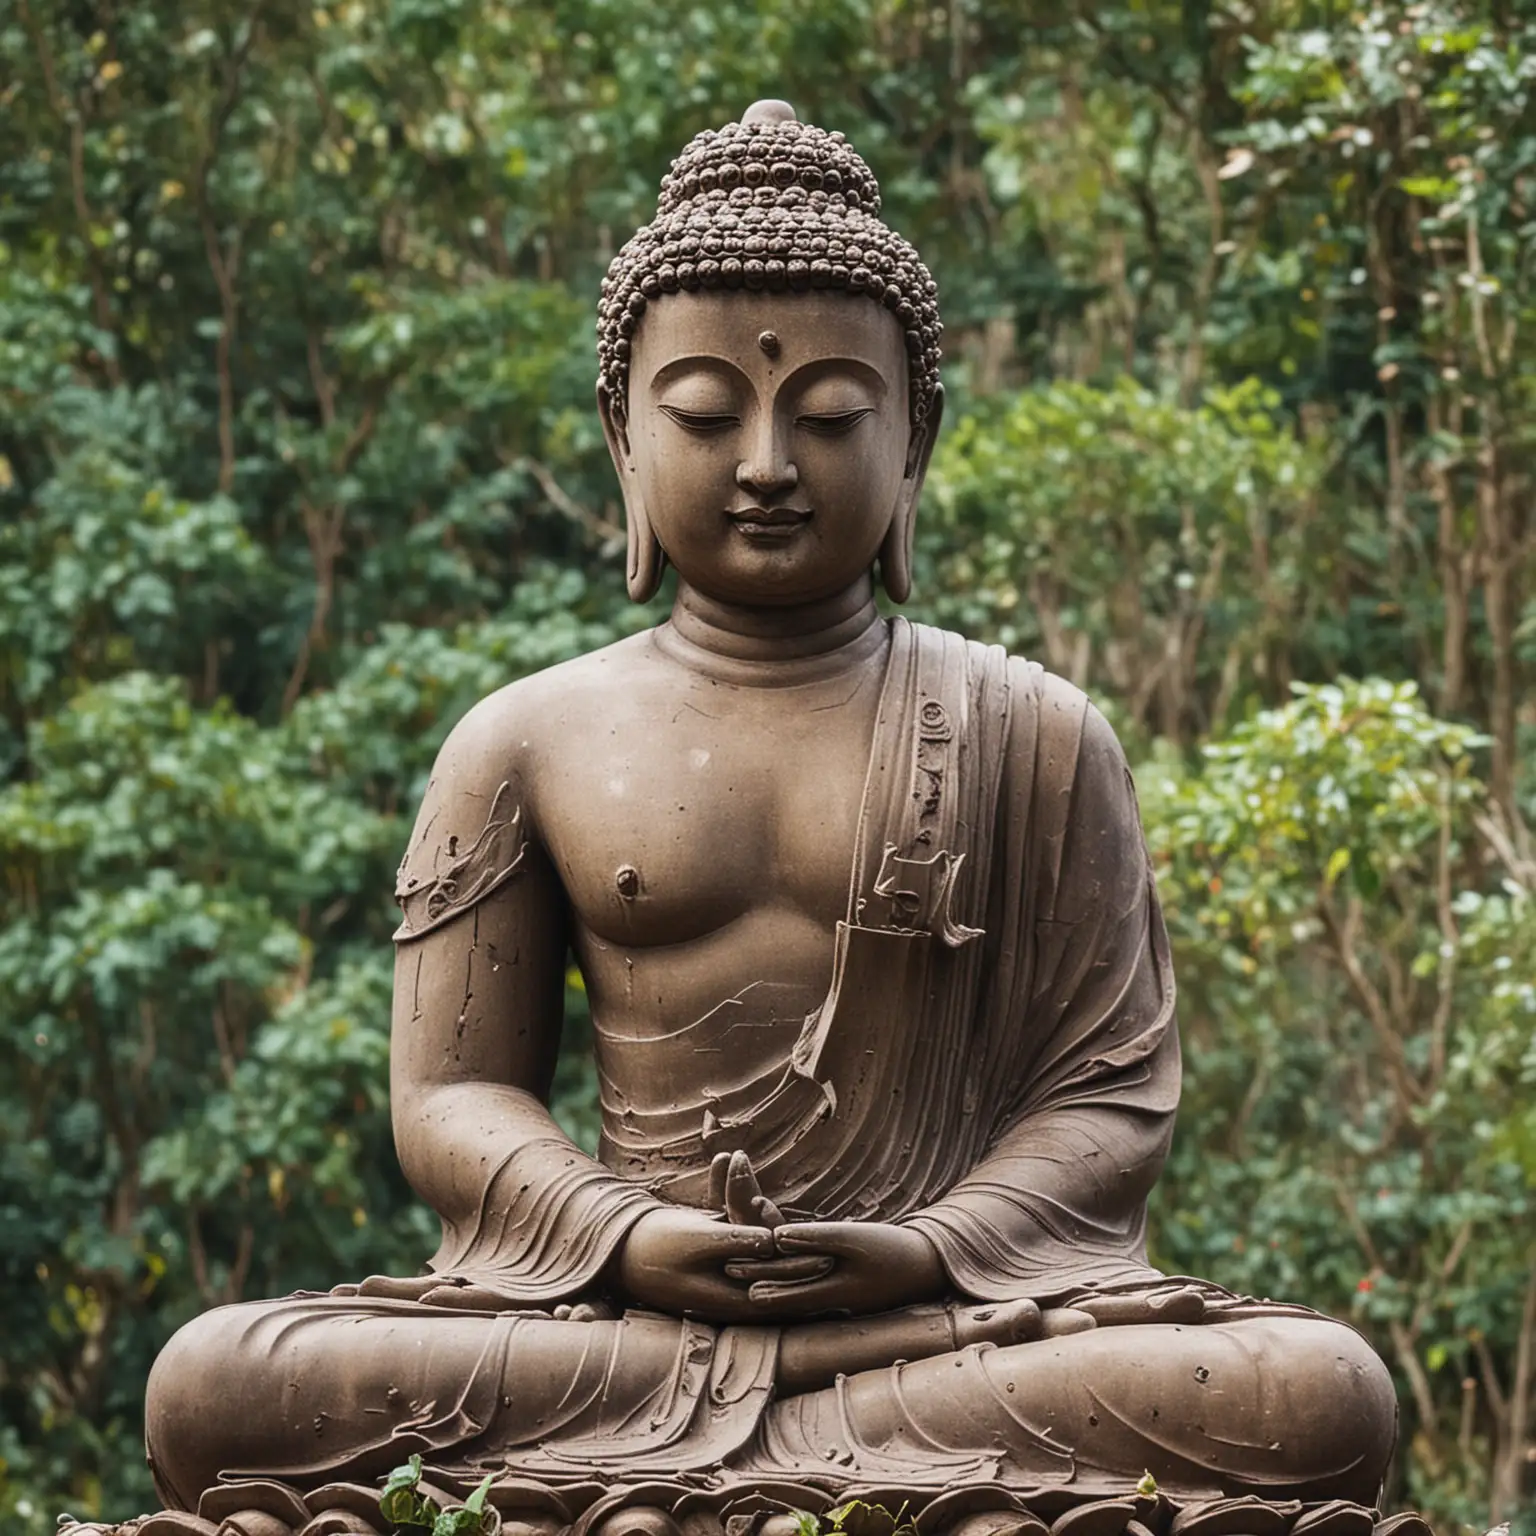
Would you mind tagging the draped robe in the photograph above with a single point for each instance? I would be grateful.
(995, 1064)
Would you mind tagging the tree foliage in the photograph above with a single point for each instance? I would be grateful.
(298, 459)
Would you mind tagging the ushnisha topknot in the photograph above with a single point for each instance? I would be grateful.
(769, 204)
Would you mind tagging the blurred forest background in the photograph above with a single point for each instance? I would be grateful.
(298, 458)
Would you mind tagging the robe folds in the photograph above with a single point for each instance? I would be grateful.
(996, 1062)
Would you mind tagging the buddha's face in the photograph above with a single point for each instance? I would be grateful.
(768, 442)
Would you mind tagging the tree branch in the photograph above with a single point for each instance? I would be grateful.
(611, 535)
(1510, 1470)
(224, 263)
(1343, 936)
(74, 122)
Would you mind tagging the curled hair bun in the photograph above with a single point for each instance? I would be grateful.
(770, 204)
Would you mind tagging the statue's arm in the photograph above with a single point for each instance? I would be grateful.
(479, 989)
(1091, 1056)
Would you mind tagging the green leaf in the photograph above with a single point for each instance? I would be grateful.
(1338, 862)
(1437, 189)
(460, 1521)
(399, 1500)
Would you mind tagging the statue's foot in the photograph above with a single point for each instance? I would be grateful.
(1002, 1322)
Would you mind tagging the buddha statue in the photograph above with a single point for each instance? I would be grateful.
(882, 1001)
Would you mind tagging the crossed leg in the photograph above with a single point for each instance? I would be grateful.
(310, 1389)
(315, 1388)
(1283, 1406)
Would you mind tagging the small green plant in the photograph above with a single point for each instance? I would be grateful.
(856, 1518)
(404, 1505)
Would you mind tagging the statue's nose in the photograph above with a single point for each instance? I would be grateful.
(767, 477)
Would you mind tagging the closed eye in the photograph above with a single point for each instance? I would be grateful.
(835, 424)
(700, 421)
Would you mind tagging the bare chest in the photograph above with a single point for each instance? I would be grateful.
(668, 831)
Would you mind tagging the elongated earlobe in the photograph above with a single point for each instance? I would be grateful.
(896, 557)
(896, 550)
(646, 560)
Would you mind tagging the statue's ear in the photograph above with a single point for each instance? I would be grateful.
(646, 558)
(896, 551)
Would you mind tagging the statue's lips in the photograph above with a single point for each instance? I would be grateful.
(769, 522)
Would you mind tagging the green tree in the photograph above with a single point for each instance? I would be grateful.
(1325, 876)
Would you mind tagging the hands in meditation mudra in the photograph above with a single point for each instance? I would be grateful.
(883, 1004)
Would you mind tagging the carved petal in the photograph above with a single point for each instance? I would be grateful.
(1338, 1517)
(978, 1510)
(637, 1520)
(339, 1522)
(354, 1498)
(1104, 1517)
(177, 1523)
(1235, 1517)
(225, 1501)
(1406, 1525)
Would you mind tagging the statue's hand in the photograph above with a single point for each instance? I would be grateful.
(678, 1261)
(734, 1189)
(1164, 1304)
(471, 1291)
(875, 1267)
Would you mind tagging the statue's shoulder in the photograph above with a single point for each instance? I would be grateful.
(1055, 729)
(1058, 715)
(528, 713)
(1059, 741)
(503, 740)
(1079, 780)
(481, 809)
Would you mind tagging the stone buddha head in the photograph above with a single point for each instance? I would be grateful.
(768, 371)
